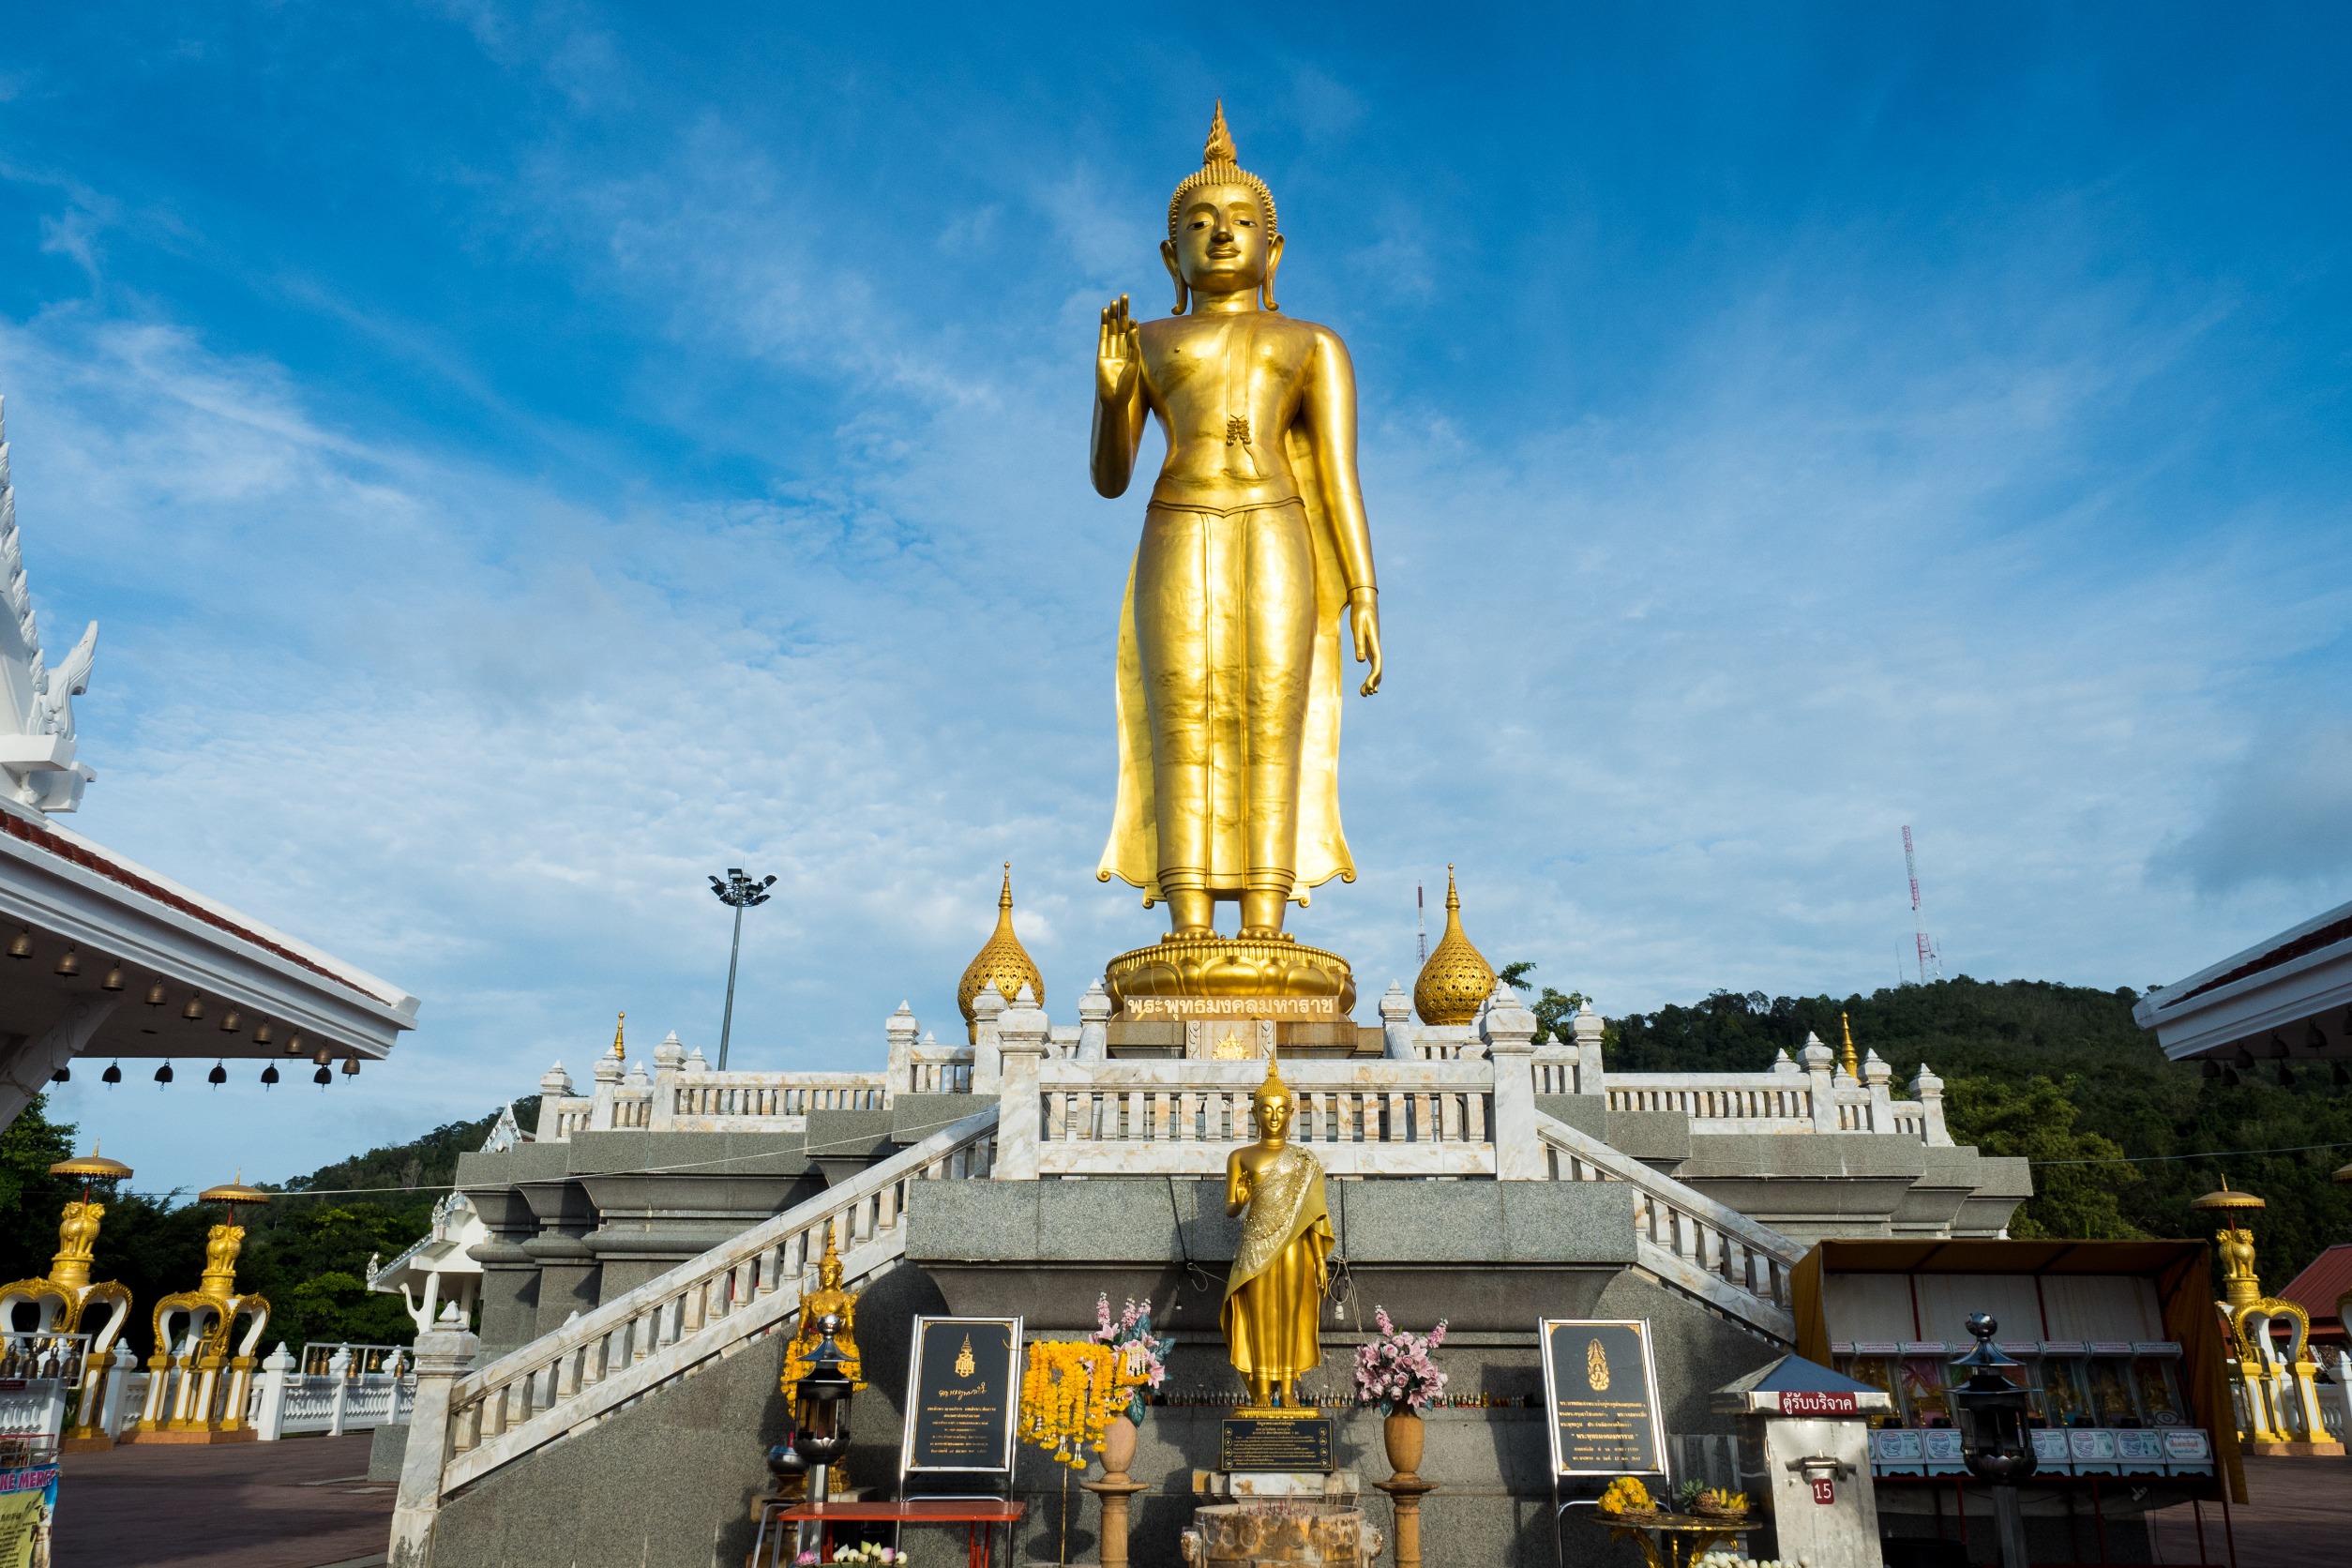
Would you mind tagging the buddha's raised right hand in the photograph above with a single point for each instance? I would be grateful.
(1118, 353)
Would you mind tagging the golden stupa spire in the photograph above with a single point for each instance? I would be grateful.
(1853, 1067)
(1458, 980)
(620, 1052)
(1002, 959)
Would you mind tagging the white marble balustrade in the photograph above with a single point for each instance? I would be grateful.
(1185, 1117)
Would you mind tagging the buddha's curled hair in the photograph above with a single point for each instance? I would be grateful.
(1217, 167)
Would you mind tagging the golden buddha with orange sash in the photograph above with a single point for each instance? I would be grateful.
(1274, 1293)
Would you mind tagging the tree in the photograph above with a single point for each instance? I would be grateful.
(2036, 1120)
(30, 1198)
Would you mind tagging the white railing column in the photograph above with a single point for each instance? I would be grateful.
(901, 1030)
(988, 1068)
(1929, 1090)
(1396, 1024)
(1093, 1042)
(1587, 1027)
(338, 1397)
(1818, 1061)
(1875, 1074)
(1021, 1045)
(269, 1421)
(1508, 1029)
(442, 1356)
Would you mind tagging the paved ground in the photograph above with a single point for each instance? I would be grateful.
(305, 1502)
(2300, 1517)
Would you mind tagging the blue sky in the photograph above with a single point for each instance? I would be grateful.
(527, 458)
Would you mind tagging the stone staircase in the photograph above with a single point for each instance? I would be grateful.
(1701, 1247)
(698, 1314)
(665, 1331)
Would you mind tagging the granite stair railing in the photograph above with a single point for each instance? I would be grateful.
(708, 1307)
(1701, 1247)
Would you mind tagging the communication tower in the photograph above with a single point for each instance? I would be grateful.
(1930, 962)
(1421, 913)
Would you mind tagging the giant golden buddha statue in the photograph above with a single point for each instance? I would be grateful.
(1273, 1292)
(1254, 546)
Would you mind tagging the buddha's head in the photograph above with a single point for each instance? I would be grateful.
(1222, 234)
(1272, 1104)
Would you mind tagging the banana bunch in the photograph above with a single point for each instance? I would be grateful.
(1714, 1500)
(1626, 1495)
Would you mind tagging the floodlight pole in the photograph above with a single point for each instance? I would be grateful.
(740, 893)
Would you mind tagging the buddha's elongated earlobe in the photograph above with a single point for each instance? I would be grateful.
(1176, 276)
(1273, 261)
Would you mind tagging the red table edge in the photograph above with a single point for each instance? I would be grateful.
(932, 1510)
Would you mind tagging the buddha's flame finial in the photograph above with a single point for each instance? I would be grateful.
(1220, 147)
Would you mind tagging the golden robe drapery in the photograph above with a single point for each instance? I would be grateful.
(1274, 1296)
(1133, 852)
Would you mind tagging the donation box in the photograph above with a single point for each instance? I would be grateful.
(1807, 1430)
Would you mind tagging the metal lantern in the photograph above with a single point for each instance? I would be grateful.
(820, 1409)
(1996, 1444)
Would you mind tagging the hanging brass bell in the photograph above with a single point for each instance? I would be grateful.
(229, 1021)
(194, 1010)
(219, 1075)
(270, 1075)
(261, 1035)
(163, 1074)
(69, 963)
(322, 1055)
(22, 946)
(155, 996)
(351, 1066)
(113, 981)
(323, 1077)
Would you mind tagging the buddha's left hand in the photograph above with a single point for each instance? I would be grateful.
(1363, 618)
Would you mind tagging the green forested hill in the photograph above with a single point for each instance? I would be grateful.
(2056, 1072)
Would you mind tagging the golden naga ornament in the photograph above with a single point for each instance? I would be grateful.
(1254, 548)
(1274, 1292)
(199, 1374)
(65, 1296)
(1456, 980)
(1001, 962)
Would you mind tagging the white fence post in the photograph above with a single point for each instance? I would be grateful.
(270, 1421)
(442, 1357)
(1508, 1029)
(1021, 1045)
(338, 1368)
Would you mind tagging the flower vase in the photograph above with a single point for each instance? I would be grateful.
(1119, 1440)
(1403, 1433)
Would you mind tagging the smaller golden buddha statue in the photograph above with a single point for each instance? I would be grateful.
(827, 1299)
(1274, 1292)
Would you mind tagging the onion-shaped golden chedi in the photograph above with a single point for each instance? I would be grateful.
(1001, 962)
(1456, 980)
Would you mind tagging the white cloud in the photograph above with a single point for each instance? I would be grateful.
(1665, 675)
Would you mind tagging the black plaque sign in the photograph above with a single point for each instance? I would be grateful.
(1275, 1443)
(963, 1392)
(1602, 1387)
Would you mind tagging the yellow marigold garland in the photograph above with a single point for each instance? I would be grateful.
(1070, 1393)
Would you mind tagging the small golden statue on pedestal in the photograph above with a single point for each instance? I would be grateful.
(1273, 1295)
(1254, 546)
(61, 1300)
(828, 1298)
(196, 1382)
